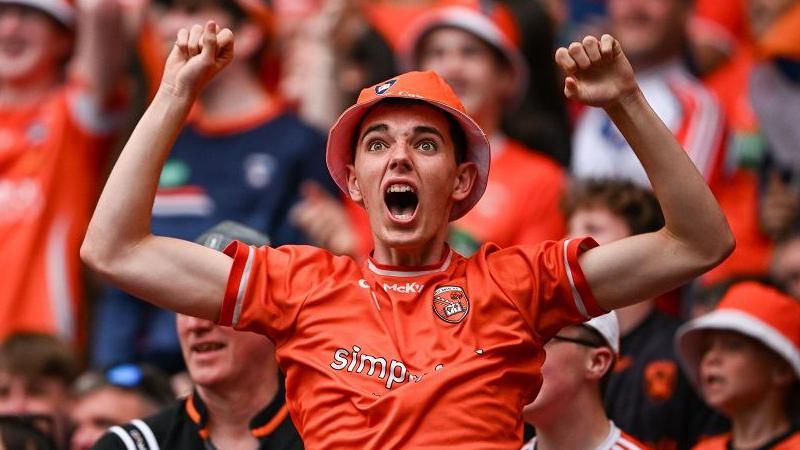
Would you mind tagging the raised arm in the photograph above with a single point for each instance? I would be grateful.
(175, 274)
(696, 236)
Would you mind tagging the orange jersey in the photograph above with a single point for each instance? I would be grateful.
(720, 442)
(49, 178)
(424, 357)
(521, 204)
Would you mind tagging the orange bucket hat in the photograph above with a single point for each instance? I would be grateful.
(754, 310)
(425, 87)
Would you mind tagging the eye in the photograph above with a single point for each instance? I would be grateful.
(427, 146)
(376, 146)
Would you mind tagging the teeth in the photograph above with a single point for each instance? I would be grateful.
(400, 188)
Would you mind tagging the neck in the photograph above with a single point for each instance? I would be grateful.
(231, 407)
(556, 431)
(424, 255)
(632, 316)
(32, 90)
(238, 92)
(757, 424)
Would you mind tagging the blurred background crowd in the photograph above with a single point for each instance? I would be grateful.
(78, 356)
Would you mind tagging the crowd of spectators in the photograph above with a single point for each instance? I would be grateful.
(79, 358)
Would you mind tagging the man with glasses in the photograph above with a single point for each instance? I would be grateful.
(576, 372)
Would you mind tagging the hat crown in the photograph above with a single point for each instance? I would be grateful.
(425, 86)
(767, 305)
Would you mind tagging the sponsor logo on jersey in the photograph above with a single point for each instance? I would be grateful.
(403, 288)
(394, 372)
(450, 303)
(382, 88)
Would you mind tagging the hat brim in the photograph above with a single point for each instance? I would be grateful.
(340, 150)
(689, 339)
(61, 11)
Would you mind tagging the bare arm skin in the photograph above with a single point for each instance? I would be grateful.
(171, 273)
(696, 236)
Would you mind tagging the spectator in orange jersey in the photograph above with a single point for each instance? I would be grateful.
(476, 52)
(744, 357)
(376, 355)
(568, 412)
(59, 73)
(646, 395)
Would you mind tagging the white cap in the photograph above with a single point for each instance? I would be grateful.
(608, 327)
(61, 10)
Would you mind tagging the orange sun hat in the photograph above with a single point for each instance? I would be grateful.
(425, 87)
(753, 309)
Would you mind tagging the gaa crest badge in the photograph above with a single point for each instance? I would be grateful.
(450, 303)
(383, 87)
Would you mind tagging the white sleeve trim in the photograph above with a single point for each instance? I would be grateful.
(237, 310)
(152, 443)
(576, 296)
(124, 437)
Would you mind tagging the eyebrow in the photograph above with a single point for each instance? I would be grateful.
(425, 129)
(376, 127)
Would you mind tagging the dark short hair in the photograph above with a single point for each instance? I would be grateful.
(146, 381)
(457, 134)
(637, 206)
(39, 355)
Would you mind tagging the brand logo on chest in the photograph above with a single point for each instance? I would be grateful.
(450, 303)
(403, 288)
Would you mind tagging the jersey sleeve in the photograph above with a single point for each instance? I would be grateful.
(546, 283)
(267, 286)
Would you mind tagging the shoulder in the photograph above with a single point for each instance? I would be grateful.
(143, 434)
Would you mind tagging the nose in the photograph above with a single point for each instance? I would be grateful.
(400, 158)
(711, 356)
(195, 324)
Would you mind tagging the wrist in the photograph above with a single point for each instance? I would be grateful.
(626, 104)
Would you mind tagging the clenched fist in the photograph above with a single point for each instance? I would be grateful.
(197, 56)
(598, 73)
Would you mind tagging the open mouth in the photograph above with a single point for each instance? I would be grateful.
(401, 201)
(207, 347)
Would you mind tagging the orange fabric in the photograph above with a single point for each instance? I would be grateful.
(768, 305)
(720, 442)
(427, 357)
(782, 39)
(151, 56)
(50, 172)
(391, 19)
(521, 204)
(737, 192)
(273, 423)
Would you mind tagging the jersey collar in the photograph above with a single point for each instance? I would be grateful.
(411, 271)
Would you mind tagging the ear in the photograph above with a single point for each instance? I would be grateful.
(782, 373)
(352, 185)
(249, 39)
(466, 174)
(598, 363)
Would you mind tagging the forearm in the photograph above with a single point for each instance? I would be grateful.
(692, 214)
(123, 213)
(99, 60)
